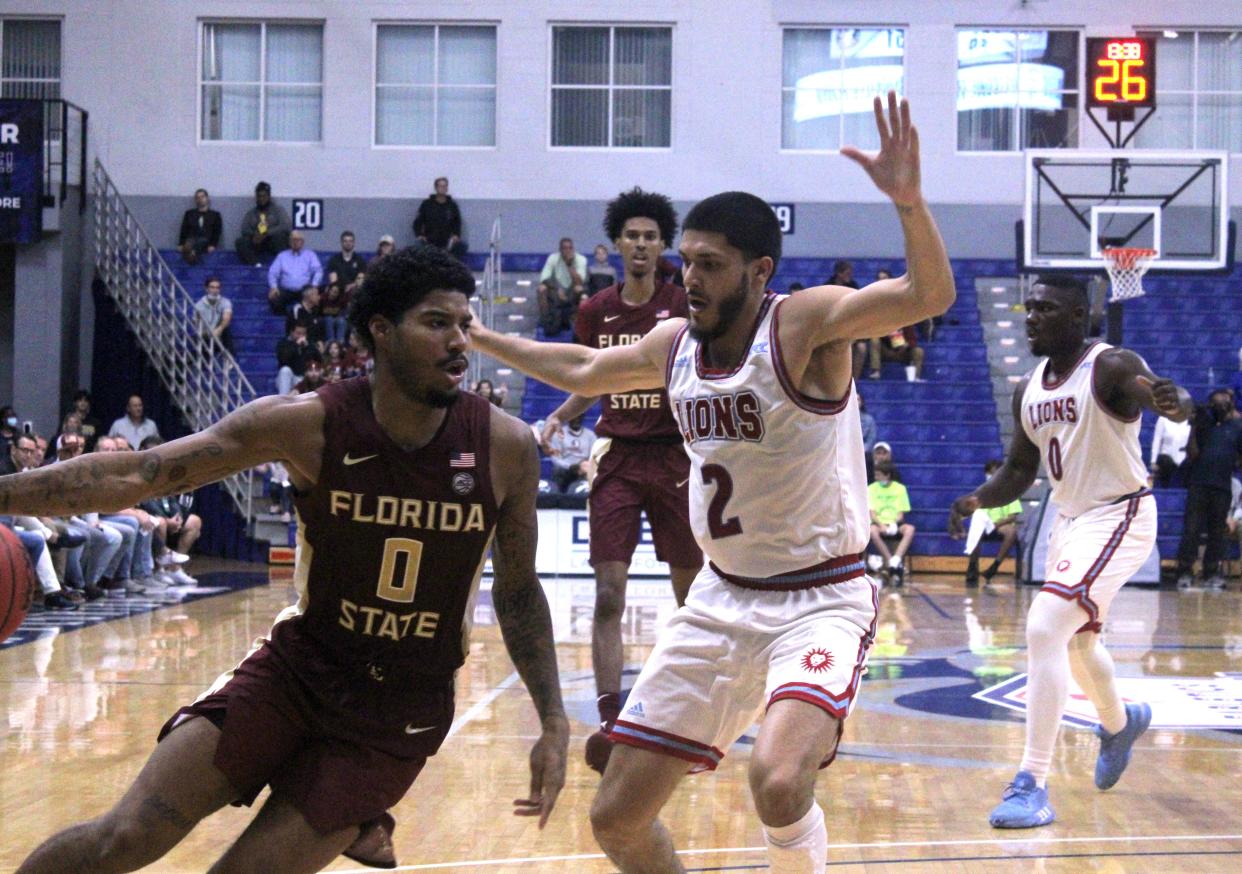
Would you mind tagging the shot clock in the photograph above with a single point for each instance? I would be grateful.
(1121, 74)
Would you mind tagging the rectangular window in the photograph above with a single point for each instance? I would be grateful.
(612, 87)
(29, 58)
(261, 82)
(435, 85)
(1017, 90)
(1198, 91)
(830, 76)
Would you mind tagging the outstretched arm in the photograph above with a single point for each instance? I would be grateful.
(1011, 481)
(1126, 384)
(112, 481)
(581, 369)
(525, 622)
(927, 289)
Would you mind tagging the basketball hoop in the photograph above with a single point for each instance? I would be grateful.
(1125, 269)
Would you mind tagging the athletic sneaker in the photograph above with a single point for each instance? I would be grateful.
(171, 556)
(133, 587)
(59, 601)
(181, 578)
(1023, 805)
(1215, 582)
(1115, 748)
(373, 846)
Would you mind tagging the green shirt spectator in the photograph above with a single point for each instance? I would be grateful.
(889, 501)
(1000, 514)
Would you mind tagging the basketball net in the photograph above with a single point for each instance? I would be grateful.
(1125, 271)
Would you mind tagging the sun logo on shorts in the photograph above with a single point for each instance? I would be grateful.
(1063, 565)
(817, 660)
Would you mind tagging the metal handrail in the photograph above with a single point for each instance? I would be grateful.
(489, 288)
(202, 377)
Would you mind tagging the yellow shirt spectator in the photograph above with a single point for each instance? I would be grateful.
(888, 501)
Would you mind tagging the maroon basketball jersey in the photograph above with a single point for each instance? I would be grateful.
(391, 545)
(606, 320)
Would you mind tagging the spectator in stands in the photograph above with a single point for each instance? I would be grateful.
(8, 428)
(902, 346)
(562, 285)
(133, 427)
(384, 247)
(53, 597)
(1168, 451)
(215, 313)
(314, 377)
(869, 433)
(176, 532)
(24, 454)
(292, 355)
(102, 542)
(883, 454)
(293, 270)
(344, 274)
(201, 228)
(279, 490)
(334, 361)
(71, 425)
(795, 287)
(1214, 449)
(357, 358)
(993, 523)
(842, 274)
(90, 425)
(306, 312)
(264, 229)
(889, 502)
(438, 221)
(570, 450)
(484, 389)
(600, 273)
(134, 567)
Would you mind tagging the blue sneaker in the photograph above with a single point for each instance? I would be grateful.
(1025, 805)
(1115, 748)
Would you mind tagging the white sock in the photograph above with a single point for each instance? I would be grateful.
(1050, 625)
(47, 573)
(800, 847)
(1093, 670)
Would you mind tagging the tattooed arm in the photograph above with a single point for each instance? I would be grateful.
(522, 609)
(266, 429)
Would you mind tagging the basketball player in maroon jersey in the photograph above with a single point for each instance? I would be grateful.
(641, 465)
(401, 480)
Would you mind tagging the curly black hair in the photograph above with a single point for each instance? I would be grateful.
(398, 282)
(637, 203)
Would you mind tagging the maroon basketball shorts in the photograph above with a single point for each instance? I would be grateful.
(633, 478)
(336, 769)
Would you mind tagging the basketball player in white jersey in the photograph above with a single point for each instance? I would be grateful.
(777, 625)
(1079, 410)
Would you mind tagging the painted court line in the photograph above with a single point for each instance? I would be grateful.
(874, 845)
(482, 704)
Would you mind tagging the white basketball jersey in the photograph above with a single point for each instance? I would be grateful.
(778, 481)
(1092, 456)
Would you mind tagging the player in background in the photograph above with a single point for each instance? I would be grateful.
(1079, 410)
(402, 480)
(640, 463)
(777, 625)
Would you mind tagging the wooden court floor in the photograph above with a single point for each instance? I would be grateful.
(922, 762)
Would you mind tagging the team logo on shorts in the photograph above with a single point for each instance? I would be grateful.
(463, 483)
(817, 660)
(1063, 565)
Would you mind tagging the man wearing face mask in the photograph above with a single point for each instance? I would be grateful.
(1213, 451)
(8, 429)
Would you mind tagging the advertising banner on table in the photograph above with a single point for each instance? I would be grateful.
(21, 171)
(564, 547)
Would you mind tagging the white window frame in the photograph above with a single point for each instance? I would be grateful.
(905, 28)
(435, 86)
(610, 86)
(60, 81)
(1078, 102)
(1194, 93)
(262, 84)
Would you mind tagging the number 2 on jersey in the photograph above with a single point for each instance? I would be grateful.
(1054, 458)
(717, 525)
(389, 588)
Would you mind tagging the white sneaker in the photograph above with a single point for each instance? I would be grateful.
(165, 578)
(875, 563)
(894, 563)
(181, 578)
(171, 556)
(133, 587)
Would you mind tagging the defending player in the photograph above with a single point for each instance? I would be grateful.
(402, 481)
(778, 623)
(641, 463)
(1079, 410)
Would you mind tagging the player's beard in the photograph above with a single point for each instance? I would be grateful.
(421, 393)
(727, 312)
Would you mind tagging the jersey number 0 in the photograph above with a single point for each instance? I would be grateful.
(390, 588)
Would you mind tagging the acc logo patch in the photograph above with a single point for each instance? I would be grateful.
(817, 660)
(1063, 565)
(463, 483)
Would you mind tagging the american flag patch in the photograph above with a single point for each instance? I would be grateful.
(461, 459)
(662, 314)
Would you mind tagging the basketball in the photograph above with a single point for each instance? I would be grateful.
(17, 582)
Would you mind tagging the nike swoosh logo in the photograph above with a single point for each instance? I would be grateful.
(409, 729)
(351, 461)
(611, 318)
(683, 482)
